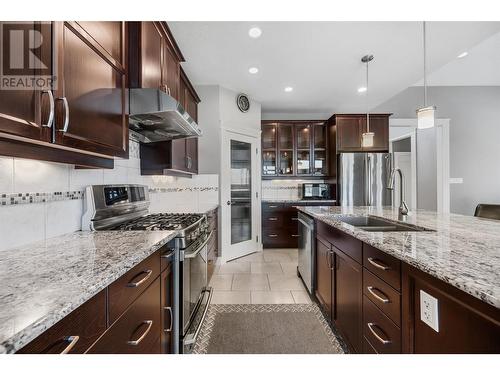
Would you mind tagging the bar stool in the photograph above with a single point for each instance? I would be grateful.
(488, 211)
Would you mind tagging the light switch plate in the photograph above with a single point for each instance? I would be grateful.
(429, 310)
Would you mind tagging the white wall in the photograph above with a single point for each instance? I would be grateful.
(474, 114)
(25, 223)
(209, 118)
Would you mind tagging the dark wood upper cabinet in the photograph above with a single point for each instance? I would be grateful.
(25, 113)
(294, 149)
(350, 127)
(91, 96)
(189, 99)
(349, 130)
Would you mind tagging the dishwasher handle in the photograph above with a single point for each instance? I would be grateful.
(307, 225)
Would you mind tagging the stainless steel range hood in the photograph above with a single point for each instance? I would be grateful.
(155, 116)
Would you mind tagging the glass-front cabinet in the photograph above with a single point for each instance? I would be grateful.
(294, 149)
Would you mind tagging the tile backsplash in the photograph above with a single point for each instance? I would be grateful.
(40, 200)
(282, 189)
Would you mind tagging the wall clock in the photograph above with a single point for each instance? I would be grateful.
(243, 102)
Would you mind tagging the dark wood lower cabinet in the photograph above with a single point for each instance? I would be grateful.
(375, 306)
(466, 324)
(75, 333)
(324, 256)
(167, 310)
(347, 297)
(138, 330)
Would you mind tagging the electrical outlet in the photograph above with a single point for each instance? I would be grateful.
(429, 310)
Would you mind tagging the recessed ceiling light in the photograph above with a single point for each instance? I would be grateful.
(255, 32)
(362, 89)
(253, 70)
(463, 54)
(288, 89)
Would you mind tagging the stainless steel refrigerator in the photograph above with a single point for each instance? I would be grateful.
(362, 179)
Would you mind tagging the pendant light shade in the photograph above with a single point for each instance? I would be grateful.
(425, 115)
(367, 137)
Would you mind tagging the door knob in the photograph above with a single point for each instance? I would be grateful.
(228, 203)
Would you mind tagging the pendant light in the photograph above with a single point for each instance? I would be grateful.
(367, 138)
(425, 115)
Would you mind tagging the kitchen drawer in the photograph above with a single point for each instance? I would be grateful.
(167, 257)
(379, 330)
(138, 330)
(272, 238)
(128, 287)
(81, 327)
(272, 219)
(386, 298)
(383, 265)
(270, 206)
(342, 241)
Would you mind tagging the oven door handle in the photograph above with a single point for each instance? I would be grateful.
(195, 253)
(191, 338)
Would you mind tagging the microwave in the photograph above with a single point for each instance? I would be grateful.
(317, 191)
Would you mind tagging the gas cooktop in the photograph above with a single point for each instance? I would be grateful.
(161, 222)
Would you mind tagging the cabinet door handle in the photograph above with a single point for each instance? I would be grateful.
(295, 235)
(72, 340)
(378, 295)
(138, 341)
(295, 218)
(329, 260)
(169, 309)
(135, 284)
(273, 219)
(273, 235)
(273, 206)
(377, 336)
(51, 113)
(379, 264)
(66, 114)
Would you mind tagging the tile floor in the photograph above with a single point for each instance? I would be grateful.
(268, 277)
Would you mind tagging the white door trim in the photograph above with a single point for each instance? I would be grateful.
(442, 157)
(254, 139)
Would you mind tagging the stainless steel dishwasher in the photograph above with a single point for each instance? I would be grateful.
(306, 251)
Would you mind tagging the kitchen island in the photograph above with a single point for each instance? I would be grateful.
(44, 282)
(456, 262)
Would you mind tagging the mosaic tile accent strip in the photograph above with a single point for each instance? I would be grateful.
(271, 187)
(201, 345)
(27, 198)
(176, 190)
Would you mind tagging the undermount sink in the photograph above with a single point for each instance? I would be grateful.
(378, 224)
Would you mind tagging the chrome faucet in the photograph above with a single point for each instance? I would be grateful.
(403, 208)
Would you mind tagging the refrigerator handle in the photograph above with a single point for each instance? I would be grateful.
(368, 181)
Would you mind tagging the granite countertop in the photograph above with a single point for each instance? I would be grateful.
(44, 281)
(464, 251)
(298, 200)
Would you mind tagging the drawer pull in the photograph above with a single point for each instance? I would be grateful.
(137, 283)
(377, 336)
(169, 309)
(273, 219)
(273, 206)
(273, 235)
(72, 340)
(378, 295)
(295, 235)
(295, 218)
(138, 341)
(379, 265)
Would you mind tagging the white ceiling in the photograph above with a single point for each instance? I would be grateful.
(320, 60)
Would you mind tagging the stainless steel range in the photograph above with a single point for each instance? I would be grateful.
(126, 207)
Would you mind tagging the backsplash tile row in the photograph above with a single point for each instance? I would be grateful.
(39, 200)
(283, 189)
